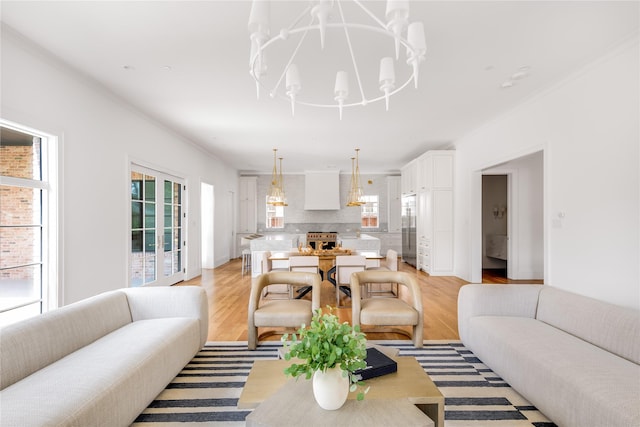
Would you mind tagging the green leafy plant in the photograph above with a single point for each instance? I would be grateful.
(327, 343)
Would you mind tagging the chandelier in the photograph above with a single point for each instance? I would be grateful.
(319, 14)
(356, 194)
(276, 196)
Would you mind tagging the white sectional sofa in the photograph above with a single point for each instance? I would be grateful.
(575, 358)
(100, 361)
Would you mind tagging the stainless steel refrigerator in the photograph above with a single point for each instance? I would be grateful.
(409, 229)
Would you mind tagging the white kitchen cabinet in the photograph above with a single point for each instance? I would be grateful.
(435, 213)
(409, 177)
(248, 207)
(394, 204)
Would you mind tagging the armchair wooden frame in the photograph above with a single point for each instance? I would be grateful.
(289, 313)
(388, 312)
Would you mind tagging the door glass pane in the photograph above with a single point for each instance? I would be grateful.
(168, 194)
(149, 215)
(150, 188)
(149, 256)
(167, 216)
(136, 214)
(177, 193)
(136, 241)
(17, 314)
(136, 186)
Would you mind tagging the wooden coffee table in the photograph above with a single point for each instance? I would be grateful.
(410, 382)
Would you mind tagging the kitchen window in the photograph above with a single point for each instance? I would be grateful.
(369, 212)
(275, 216)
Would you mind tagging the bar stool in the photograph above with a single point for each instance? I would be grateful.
(246, 260)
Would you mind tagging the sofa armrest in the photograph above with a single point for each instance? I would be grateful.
(174, 301)
(495, 300)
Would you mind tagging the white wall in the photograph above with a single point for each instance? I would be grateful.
(99, 136)
(589, 131)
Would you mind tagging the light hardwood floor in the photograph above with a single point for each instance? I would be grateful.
(228, 294)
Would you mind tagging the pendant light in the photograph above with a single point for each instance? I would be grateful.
(356, 194)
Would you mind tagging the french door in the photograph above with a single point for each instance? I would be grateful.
(156, 254)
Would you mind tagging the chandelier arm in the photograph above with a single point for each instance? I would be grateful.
(293, 55)
(368, 12)
(266, 44)
(297, 20)
(353, 58)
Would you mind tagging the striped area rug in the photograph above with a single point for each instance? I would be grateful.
(205, 393)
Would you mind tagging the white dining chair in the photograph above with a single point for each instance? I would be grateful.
(304, 263)
(346, 265)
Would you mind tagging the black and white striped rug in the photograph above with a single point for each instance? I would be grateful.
(206, 392)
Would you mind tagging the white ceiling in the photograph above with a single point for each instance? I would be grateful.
(209, 97)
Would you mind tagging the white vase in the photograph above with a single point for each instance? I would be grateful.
(330, 388)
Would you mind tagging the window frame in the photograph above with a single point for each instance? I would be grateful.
(369, 210)
(50, 292)
(268, 218)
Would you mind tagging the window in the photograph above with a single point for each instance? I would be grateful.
(275, 216)
(369, 212)
(27, 217)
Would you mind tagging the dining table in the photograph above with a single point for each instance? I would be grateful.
(327, 261)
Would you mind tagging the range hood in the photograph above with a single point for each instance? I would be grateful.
(321, 190)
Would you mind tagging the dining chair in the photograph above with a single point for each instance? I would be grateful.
(346, 265)
(390, 263)
(277, 313)
(308, 264)
(276, 290)
(388, 312)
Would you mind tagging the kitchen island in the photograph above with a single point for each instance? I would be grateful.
(272, 243)
(363, 242)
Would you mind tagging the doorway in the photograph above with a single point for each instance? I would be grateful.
(510, 227)
(495, 221)
(156, 255)
(206, 224)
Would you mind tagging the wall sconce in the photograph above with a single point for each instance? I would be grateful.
(498, 212)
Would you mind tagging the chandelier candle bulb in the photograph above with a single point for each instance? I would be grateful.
(387, 78)
(341, 89)
(293, 85)
(321, 12)
(415, 36)
(397, 14)
(259, 17)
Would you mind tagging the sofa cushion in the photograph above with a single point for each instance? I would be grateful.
(34, 343)
(608, 326)
(574, 382)
(106, 383)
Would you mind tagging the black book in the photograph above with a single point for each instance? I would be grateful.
(377, 364)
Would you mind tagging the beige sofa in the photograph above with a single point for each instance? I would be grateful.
(575, 358)
(100, 361)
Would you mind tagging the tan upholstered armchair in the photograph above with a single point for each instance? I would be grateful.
(388, 311)
(290, 313)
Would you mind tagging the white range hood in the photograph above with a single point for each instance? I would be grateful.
(322, 190)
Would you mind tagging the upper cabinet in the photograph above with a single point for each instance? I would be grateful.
(409, 178)
(435, 170)
(248, 207)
